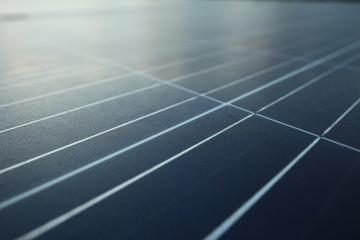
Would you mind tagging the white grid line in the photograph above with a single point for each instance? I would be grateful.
(219, 231)
(258, 53)
(20, 164)
(302, 69)
(305, 67)
(42, 187)
(80, 86)
(314, 80)
(81, 108)
(302, 58)
(244, 208)
(65, 90)
(62, 113)
(70, 174)
(310, 146)
(37, 79)
(125, 74)
(233, 218)
(43, 74)
(270, 69)
(66, 216)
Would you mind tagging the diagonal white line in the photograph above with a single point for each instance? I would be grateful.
(90, 84)
(65, 72)
(314, 80)
(272, 68)
(301, 58)
(187, 90)
(230, 221)
(286, 76)
(342, 116)
(111, 62)
(50, 77)
(59, 114)
(80, 86)
(237, 36)
(34, 73)
(76, 109)
(2, 171)
(287, 125)
(302, 69)
(82, 107)
(307, 132)
(256, 53)
(193, 59)
(243, 209)
(220, 106)
(215, 40)
(42, 74)
(241, 48)
(251, 33)
(306, 67)
(213, 235)
(220, 66)
(55, 181)
(296, 128)
(341, 144)
(251, 76)
(93, 83)
(66, 216)
(99, 102)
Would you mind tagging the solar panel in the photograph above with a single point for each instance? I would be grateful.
(180, 120)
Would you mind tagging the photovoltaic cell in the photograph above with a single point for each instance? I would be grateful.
(179, 120)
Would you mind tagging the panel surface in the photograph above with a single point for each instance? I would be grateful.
(179, 120)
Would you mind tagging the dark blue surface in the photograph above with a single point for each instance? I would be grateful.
(187, 204)
(94, 100)
(348, 130)
(318, 199)
(214, 79)
(267, 96)
(315, 108)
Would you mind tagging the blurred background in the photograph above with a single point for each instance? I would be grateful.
(40, 5)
